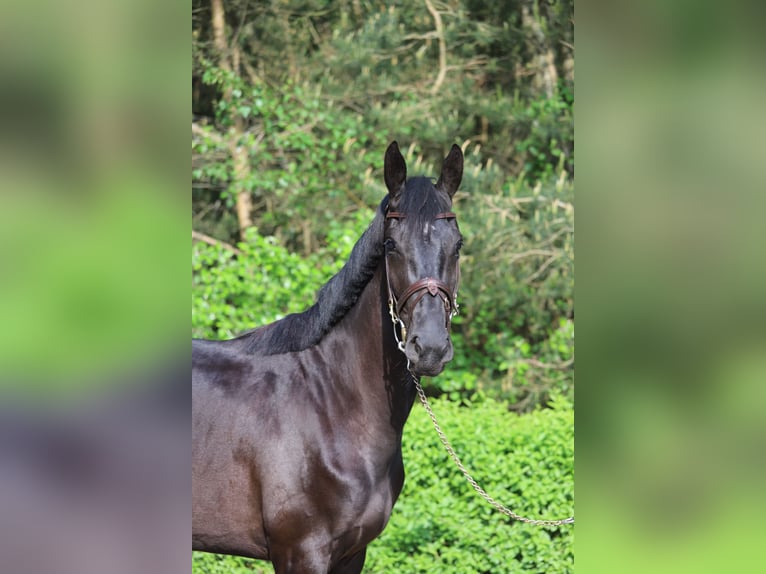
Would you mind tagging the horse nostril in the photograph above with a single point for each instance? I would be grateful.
(416, 345)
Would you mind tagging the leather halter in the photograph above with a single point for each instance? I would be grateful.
(418, 289)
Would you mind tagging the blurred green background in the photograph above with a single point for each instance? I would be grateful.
(671, 359)
(91, 195)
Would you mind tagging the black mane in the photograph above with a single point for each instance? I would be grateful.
(300, 331)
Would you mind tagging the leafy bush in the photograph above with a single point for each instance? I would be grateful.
(544, 131)
(515, 331)
(232, 295)
(234, 292)
(203, 563)
(440, 525)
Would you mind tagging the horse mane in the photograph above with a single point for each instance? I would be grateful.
(299, 331)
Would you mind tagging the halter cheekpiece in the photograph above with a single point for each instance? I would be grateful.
(418, 289)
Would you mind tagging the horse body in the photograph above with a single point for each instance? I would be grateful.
(323, 443)
(297, 426)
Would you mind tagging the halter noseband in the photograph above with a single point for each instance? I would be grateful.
(419, 288)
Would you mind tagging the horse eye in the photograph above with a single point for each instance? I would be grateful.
(390, 245)
(458, 246)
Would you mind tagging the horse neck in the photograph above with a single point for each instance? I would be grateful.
(380, 370)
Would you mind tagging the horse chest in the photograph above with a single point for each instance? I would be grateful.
(361, 516)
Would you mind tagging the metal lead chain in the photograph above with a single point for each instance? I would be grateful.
(470, 479)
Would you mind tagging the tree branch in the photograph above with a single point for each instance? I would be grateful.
(197, 236)
(442, 47)
(542, 269)
(214, 136)
(219, 33)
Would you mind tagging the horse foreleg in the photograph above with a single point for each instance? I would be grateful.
(351, 565)
(302, 558)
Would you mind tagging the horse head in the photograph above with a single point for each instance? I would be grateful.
(422, 247)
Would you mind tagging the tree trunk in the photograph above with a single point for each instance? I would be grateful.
(543, 63)
(229, 62)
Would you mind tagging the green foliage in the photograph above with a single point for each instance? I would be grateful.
(441, 525)
(515, 330)
(323, 87)
(309, 160)
(232, 293)
(204, 563)
(544, 131)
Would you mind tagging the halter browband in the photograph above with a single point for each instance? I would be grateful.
(422, 286)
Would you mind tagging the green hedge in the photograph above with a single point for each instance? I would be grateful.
(440, 525)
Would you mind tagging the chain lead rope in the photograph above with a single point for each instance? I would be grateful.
(470, 479)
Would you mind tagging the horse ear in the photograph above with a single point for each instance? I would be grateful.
(452, 171)
(394, 171)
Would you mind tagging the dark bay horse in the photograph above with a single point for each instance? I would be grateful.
(297, 426)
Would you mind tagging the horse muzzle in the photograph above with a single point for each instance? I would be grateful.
(428, 346)
(427, 362)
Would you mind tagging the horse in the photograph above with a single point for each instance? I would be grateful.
(297, 425)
